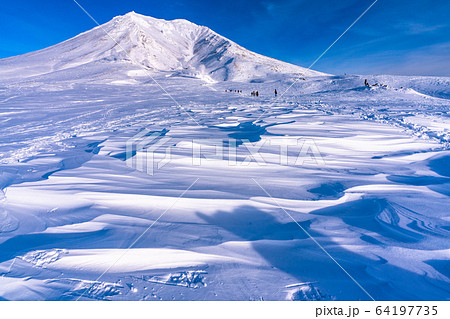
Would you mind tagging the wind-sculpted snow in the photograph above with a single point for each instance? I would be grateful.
(374, 192)
(72, 205)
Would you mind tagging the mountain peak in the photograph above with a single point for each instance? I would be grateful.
(148, 20)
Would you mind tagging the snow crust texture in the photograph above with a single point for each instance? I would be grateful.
(71, 204)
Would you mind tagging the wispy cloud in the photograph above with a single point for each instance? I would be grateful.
(414, 28)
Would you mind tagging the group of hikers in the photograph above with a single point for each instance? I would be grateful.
(253, 93)
(366, 83)
(256, 93)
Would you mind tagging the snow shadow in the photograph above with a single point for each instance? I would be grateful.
(288, 248)
(440, 165)
(248, 131)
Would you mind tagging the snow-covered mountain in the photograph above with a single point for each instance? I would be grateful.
(178, 46)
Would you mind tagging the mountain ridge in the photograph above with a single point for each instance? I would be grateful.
(176, 46)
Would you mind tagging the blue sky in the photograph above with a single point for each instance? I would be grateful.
(394, 37)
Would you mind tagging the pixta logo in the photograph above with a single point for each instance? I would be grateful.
(149, 151)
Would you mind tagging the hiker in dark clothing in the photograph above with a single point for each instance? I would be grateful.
(276, 93)
(366, 83)
(257, 94)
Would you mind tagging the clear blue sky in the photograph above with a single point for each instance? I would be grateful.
(394, 37)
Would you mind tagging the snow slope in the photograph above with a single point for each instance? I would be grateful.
(72, 203)
(178, 46)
